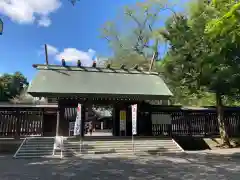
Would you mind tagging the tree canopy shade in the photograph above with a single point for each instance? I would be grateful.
(71, 81)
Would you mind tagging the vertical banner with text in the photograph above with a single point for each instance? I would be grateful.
(78, 122)
(134, 119)
(123, 122)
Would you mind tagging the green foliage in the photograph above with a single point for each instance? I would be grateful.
(136, 43)
(203, 58)
(194, 60)
(11, 85)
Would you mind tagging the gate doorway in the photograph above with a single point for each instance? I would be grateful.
(49, 124)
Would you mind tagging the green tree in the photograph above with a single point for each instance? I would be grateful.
(140, 42)
(11, 85)
(200, 61)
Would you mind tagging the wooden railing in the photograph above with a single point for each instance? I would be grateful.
(183, 122)
(196, 122)
(20, 123)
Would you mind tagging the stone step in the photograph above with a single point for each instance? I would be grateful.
(118, 152)
(34, 141)
(36, 150)
(31, 145)
(34, 154)
(116, 146)
(118, 143)
(37, 147)
(121, 147)
(127, 140)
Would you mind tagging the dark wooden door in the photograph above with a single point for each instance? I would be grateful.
(49, 124)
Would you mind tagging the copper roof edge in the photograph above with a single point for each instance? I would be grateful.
(90, 69)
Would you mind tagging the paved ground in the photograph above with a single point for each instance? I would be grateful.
(192, 166)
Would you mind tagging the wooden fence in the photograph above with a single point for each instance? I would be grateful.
(15, 122)
(195, 122)
(179, 122)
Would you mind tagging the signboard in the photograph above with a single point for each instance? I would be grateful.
(122, 120)
(78, 122)
(134, 119)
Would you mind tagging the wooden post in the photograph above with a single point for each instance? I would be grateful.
(18, 125)
(42, 120)
(58, 122)
(46, 54)
(83, 108)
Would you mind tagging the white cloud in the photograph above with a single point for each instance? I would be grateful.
(73, 54)
(44, 21)
(52, 50)
(29, 11)
(70, 55)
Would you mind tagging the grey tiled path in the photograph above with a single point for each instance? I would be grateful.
(171, 166)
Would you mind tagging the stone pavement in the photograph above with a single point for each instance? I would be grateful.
(180, 166)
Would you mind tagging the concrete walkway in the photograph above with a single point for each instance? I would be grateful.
(187, 166)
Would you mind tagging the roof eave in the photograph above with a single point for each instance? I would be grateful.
(95, 95)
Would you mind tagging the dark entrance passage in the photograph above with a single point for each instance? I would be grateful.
(49, 125)
(98, 120)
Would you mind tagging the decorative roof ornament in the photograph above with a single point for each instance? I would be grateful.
(63, 62)
(1, 26)
(79, 63)
(94, 65)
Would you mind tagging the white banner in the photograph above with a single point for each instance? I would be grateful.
(78, 122)
(58, 143)
(134, 119)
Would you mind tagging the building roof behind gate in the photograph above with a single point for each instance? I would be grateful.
(59, 81)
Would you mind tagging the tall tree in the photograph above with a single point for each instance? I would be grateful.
(197, 62)
(137, 43)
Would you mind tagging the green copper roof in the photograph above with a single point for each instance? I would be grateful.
(97, 82)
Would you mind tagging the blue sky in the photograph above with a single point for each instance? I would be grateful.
(70, 32)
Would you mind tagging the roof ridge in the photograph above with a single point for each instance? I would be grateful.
(93, 69)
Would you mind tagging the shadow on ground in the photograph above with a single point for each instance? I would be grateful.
(168, 166)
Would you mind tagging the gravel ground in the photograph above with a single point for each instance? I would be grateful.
(192, 166)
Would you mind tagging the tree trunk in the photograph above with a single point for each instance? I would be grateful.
(222, 124)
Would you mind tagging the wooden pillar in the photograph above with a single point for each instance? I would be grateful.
(18, 124)
(62, 122)
(116, 120)
(42, 120)
(113, 121)
(83, 111)
(57, 124)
